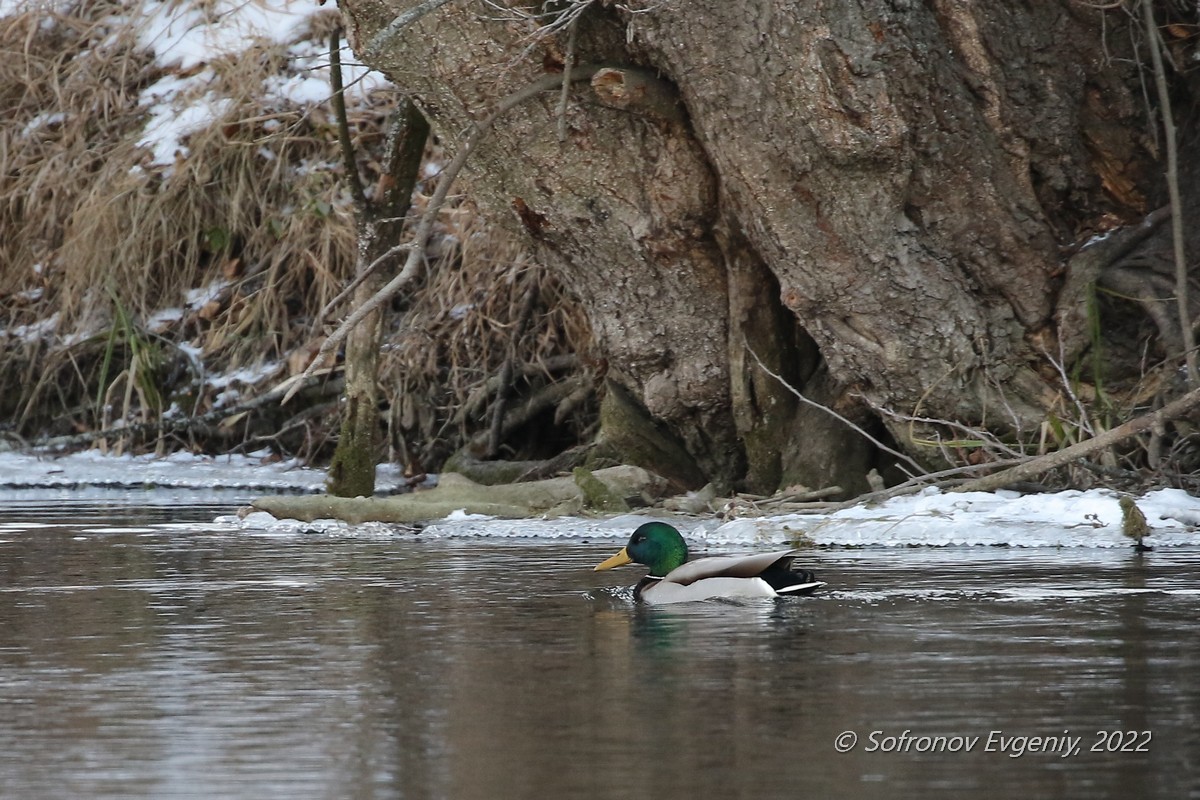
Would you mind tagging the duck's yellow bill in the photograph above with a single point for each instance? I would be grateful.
(618, 560)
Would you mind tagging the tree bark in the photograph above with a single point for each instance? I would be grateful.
(875, 194)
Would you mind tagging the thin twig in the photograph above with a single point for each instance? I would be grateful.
(471, 408)
(528, 303)
(1059, 458)
(174, 425)
(945, 479)
(856, 428)
(565, 95)
(549, 396)
(988, 439)
(559, 18)
(1085, 424)
(809, 496)
(343, 122)
(367, 272)
(406, 137)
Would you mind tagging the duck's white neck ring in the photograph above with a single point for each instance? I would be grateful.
(653, 578)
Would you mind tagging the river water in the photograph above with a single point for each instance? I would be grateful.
(153, 657)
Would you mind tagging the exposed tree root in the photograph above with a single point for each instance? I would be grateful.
(547, 397)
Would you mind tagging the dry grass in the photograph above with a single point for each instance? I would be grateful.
(458, 331)
(78, 204)
(96, 234)
(98, 239)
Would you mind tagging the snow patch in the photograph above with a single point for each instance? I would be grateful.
(939, 519)
(186, 36)
(48, 120)
(173, 118)
(163, 319)
(933, 519)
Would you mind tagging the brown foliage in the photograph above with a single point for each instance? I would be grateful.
(248, 235)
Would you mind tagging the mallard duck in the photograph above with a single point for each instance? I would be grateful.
(660, 547)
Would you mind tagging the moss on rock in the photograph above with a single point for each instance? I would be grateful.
(634, 438)
(455, 493)
(597, 494)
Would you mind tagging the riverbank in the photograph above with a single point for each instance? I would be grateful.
(1090, 519)
(198, 252)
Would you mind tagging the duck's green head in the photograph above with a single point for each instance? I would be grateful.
(655, 544)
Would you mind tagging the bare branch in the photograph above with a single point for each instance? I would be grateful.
(1084, 423)
(558, 19)
(200, 422)
(367, 272)
(343, 122)
(385, 36)
(945, 479)
(568, 60)
(528, 303)
(984, 436)
(1076, 451)
(416, 253)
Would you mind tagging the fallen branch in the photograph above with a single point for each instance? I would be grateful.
(1041, 464)
(511, 501)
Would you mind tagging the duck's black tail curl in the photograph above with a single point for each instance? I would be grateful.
(784, 579)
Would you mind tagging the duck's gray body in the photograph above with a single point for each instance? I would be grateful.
(757, 575)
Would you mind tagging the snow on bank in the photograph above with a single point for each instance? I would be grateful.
(931, 519)
(189, 35)
(188, 38)
(255, 473)
(179, 470)
(1059, 519)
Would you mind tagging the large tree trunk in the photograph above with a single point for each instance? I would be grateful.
(874, 196)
